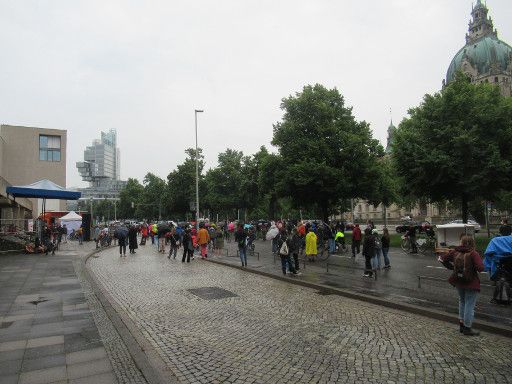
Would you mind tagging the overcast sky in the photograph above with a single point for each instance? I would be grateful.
(142, 67)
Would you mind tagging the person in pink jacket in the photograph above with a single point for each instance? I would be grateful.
(465, 262)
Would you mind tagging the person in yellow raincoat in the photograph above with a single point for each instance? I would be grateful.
(311, 250)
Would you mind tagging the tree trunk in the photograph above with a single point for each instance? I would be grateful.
(465, 208)
(325, 211)
(272, 207)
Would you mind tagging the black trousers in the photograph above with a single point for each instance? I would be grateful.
(188, 254)
(368, 265)
(296, 260)
(356, 246)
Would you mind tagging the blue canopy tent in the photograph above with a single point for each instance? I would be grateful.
(43, 189)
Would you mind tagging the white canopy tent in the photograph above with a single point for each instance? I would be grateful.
(72, 221)
(448, 235)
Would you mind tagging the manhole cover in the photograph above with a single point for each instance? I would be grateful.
(212, 293)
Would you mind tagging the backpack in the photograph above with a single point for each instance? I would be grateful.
(284, 249)
(463, 268)
(378, 243)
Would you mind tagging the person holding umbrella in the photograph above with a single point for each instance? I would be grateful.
(121, 234)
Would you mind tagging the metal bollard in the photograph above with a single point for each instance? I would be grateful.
(327, 267)
(419, 281)
(375, 274)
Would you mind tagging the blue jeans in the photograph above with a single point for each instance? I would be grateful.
(467, 301)
(378, 253)
(374, 262)
(385, 254)
(243, 255)
(332, 246)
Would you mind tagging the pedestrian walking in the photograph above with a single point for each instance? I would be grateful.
(378, 250)
(241, 240)
(356, 240)
(311, 248)
(121, 234)
(132, 239)
(385, 240)
(296, 244)
(80, 233)
(188, 246)
(203, 237)
(97, 235)
(174, 239)
(368, 252)
(65, 233)
(143, 234)
(283, 243)
(465, 262)
(411, 234)
(162, 230)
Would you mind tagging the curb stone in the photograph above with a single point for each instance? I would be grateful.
(414, 309)
(146, 358)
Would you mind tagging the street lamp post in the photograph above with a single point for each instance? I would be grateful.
(197, 172)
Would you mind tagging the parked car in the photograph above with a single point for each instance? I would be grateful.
(477, 226)
(421, 227)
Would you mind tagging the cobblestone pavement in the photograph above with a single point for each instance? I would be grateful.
(52, 328)
(275, 332)
(398, 284)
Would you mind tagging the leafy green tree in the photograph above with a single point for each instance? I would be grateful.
(129, 197)
(150, 206)
(224, 182)
(181, 185)
(326, 154)
(456, 145)
(104, 209)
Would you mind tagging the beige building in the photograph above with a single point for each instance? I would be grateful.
(27, 155)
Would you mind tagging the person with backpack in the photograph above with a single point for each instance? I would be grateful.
(241, 240)
(283, 243)
(465, 262)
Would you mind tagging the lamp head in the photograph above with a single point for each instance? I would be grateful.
(199, 110)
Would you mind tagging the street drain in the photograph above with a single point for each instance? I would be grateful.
(323, 293)
(6, 324)
(40, 300)
(212, 293)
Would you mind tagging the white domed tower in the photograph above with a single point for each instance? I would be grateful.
(484, 58)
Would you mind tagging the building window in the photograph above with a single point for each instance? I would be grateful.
(49, 148)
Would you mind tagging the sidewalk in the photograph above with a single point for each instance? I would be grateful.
(399, 285)
(48, 322)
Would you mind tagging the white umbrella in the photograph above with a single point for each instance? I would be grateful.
(272, 232)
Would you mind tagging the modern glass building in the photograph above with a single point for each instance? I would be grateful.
(101, 160)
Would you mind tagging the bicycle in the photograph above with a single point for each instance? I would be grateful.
(426, 245)
(323, 251)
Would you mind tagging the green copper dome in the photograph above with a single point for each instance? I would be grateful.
(481, 54)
